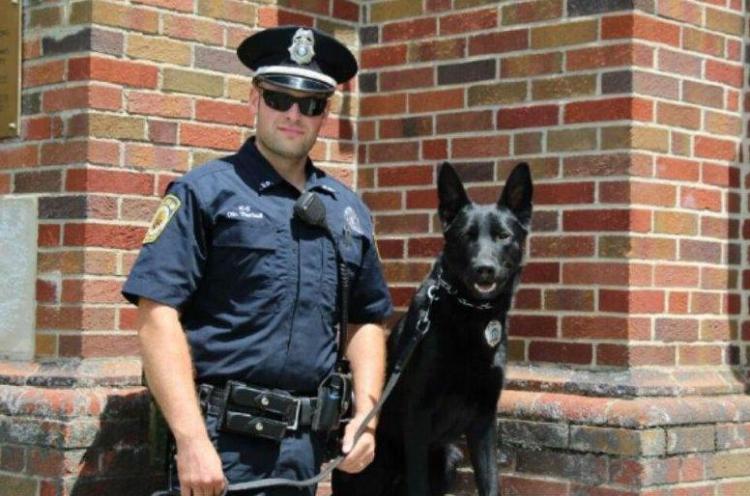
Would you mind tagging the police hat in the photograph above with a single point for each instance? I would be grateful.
(298, 58)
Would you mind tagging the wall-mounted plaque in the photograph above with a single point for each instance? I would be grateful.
(10, 68)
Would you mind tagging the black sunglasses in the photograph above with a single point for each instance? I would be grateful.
(309, 106)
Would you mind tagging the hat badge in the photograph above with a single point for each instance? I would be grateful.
(301, 50)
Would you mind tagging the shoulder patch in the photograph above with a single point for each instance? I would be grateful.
(168, 207)
(352, 220)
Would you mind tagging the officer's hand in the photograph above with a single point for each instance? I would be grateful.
(199, 468)
(360, 455)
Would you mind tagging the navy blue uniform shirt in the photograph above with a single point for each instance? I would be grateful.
(256, 287)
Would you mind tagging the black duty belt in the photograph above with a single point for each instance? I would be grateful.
(259, 412)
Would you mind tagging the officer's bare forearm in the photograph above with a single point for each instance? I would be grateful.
(168, 368)
(366, 353)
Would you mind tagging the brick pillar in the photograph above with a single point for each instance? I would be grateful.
(629, 333)
(118, 99)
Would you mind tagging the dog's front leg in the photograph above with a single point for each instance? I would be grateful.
(481, 439)
(417, 427)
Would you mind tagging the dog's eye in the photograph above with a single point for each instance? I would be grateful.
(502, 234)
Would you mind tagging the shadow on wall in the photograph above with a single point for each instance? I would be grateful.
(123, 458)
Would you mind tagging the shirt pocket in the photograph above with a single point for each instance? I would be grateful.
(246, 258)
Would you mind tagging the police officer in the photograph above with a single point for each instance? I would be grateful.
(232, 286)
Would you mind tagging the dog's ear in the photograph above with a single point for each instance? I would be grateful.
(518, 192)
(451, 194)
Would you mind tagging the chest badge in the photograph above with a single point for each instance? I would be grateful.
(493, 333)
(169, 205)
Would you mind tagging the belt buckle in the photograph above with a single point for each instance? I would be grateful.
(297, 410)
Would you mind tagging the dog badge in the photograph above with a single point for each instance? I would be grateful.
(169, 205)
(493, 333)
(301, 50)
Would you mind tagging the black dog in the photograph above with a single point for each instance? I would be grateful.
(453, 381)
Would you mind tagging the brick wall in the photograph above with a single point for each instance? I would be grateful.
(629, 338)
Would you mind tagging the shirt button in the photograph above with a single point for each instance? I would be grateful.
(264, 401)
(259, 427)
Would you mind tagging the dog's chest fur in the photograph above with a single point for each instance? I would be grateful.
(454, 371)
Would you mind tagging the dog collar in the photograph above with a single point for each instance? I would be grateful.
(454, 293)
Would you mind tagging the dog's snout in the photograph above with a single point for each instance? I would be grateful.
(485, 272)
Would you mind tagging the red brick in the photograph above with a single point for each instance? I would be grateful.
(640, 27)
(95, 68)
(273, 16)
(606, 273)
(424, 247)
(37, 128)
(391, 248)
(499, 42)
(537, 116)
(721, 72)
(716, 149)
(635, 192)
(402, 224)
(607, 220)
(720, 175)
(461, 122)
(561, 246)
(564, 194)
(103, 235)
(19, 156)
(223, 112)
(490, 146)
(682, 11)
(382, 105)
(677, 115)
(421, 198)
(49, 235)
(409, 30)
(434, 149)
(92, 291)
(43, 73)
(676, 276)
(619, 355)
(346, 9)
(405, 176)
(612, 328)
(612, 109)
(475, 20)
(435, 100)
(670, 330)
(702, 42)
(541, 273)
(190, 28)
(393, 152)
(205, 136)
(537, 487)
(561, 352)
(407, 79)
(680, 63)
(677, 169)
(631, 301)
(540, 326)
(157, 104)
(700, 199)
(109, 181)
(581, 300)
(156, 157)
(64, 153)
(88, 346)
(436, 50)
(383, 56)
(610, 56)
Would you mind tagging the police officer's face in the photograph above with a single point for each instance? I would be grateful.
(288, 134)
